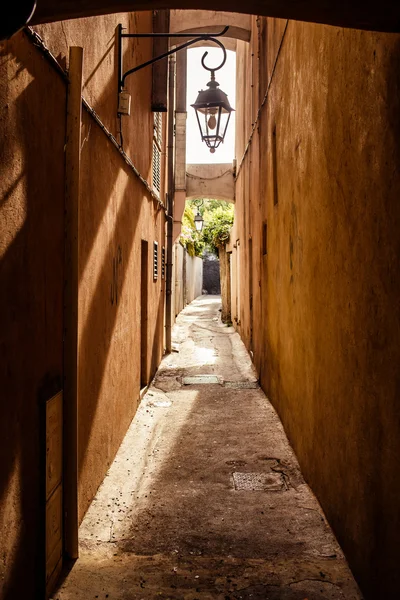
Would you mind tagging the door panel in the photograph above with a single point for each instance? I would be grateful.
(54, 490)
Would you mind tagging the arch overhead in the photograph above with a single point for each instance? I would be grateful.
(211, 21)
(360, 14)
(214, 181)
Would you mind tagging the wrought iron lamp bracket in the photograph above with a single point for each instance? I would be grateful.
(195, 37)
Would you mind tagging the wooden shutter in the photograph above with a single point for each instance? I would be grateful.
(155, 260)
(157, 148)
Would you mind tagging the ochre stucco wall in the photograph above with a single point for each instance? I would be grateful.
(32, 126)
(326, 319)
(187, 278)
(117, 212)
(98, 38)
(194, 277)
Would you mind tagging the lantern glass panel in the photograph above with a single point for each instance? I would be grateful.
(198, 222)
(213, 113)
(213, 123)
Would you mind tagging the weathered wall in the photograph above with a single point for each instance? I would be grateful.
(225, 279)
(212, 21)
(187, 278)
(100, 85)
(178, 258)
(210, 181)
(317, 207)
(194, 277)
(110, 312)
(117, 212)
(31, 294)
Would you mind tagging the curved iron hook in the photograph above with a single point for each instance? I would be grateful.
(220, 44)
(198, 37)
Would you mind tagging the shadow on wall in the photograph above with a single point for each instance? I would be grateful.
(211, 276)
(385, 555)
(31, 293)
(353, 469)
(370, 538)
(179, 513)
(31, 297)
(108, 336)
(96, 336)
(158, 335)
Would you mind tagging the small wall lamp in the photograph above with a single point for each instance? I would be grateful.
(212, 106)
(198, 222)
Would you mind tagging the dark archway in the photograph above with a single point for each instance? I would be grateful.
(360, 14)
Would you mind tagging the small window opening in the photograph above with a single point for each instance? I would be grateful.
(163, 262)
(264, 238)
(274, 167)
(155, 260)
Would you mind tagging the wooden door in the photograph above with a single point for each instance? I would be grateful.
(53, 490)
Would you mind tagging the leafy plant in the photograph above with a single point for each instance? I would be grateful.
(217, 227)
(218, 221)
(190, 238)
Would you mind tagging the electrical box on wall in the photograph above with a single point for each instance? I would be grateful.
(124, 103)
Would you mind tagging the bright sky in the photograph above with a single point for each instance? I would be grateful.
(197, 79)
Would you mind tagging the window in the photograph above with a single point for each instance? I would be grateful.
(157, 147)
(155, 260)
(163, 262)
(158, 128)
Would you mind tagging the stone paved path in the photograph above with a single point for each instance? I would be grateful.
(205, 499)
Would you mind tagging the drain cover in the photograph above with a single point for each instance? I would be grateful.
(241, 385)
(259, 482)
(200, 379)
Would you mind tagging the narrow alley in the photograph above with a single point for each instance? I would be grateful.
(205, 498)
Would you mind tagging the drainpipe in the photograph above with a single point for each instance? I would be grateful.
(70, 401)
(170, 202)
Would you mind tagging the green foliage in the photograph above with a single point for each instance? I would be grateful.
(190, 238)
(218, 220)
(217, 226)
(210, 205)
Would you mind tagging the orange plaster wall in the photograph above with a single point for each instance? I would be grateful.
(116, 213)
(32, 125)
(326, 319)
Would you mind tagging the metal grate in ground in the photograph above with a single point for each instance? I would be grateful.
(259, 482)
(241, 385)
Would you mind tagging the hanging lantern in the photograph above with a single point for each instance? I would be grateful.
(213, 112)
(212, 107)
(198, 221)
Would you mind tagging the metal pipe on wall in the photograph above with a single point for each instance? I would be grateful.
(170, 201)
(72, 186)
